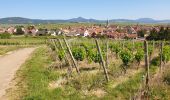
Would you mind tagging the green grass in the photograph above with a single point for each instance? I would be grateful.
(160, 92)
(38, 77)
(23, 41)
(160, 89)
(125, 90)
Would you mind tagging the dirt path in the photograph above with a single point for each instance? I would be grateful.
(9, 64)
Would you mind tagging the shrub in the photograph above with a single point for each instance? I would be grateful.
(166, 54)
(89, 51)
(150, 50)
(139, 56)
(116, 49)
(51, 46)
(61, 55)
(155, 61)
(95, 56)
(126, 57)
(79, 53)
(90, 55)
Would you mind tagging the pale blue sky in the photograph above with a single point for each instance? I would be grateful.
(99, 9)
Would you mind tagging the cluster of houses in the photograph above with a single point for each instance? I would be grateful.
(111, 31)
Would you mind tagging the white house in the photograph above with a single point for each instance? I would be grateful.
(53, 33)
(86, 33)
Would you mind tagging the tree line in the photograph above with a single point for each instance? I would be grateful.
(162, 34)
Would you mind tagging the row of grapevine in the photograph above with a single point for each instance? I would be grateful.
(87, 50)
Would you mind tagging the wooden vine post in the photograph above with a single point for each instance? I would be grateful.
(107, 54)
(146, 63)
(123, 45)
(102, 61)
(161, 53)
(55, 45)
(65, 56)
(133, 44)
(49, 41)
(71, 55)
(153, 44)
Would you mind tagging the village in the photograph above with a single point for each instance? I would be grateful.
(106, 30)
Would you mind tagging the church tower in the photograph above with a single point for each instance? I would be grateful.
(107, 23)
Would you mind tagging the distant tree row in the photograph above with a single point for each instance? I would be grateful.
(162, 34)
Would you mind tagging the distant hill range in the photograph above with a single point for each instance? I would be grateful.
(20, 20)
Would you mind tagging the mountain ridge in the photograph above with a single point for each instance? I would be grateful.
(22, 20)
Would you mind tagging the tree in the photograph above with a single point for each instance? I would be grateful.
(141, 33)
(167, 33)
(19, 30)
(161, 34)
(153, 35)
(31, 27)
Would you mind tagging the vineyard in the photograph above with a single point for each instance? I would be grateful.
(88, 68)
(106, 68)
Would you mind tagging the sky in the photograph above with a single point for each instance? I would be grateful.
(97, 9)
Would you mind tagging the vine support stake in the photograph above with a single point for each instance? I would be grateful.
(123, 45)
(102, 61)
(55, 45)
(71, 55)
(133, 44)
(161, 53)
(66, 57)
(107, 46)
(153, 44)
(146, 63)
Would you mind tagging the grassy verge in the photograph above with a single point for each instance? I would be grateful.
(160, 87)
(5, 49)
(23, 41)
(125, 90)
